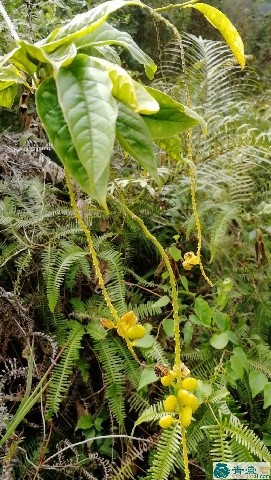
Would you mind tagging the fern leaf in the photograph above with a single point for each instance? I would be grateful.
(114, 377)
(61, 261)
(62, 371)
(219, 229)
(165, 455)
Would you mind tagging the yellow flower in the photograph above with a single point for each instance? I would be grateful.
(190, 259)
(128, 320)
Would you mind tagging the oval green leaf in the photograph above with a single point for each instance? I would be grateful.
(56, 128)
(90, 111)
(203, 312)
(219, 340)
(257, 382)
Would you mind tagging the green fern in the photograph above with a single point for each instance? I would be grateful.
(60, 262)
(165, 454)
(114, 377)
(63, 370)
(220, 228)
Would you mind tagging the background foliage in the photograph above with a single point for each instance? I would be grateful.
(49, 288)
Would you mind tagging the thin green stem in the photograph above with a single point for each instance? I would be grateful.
(174, 291)
(177, 5)
(9, 23)
(95, 261)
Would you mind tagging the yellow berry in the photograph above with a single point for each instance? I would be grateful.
(189, 400)
(186, 416)
(170, 403)
(166, 421)
(167, 380)
(189, 384)
(183, 394)
(137, 331)
(194, 404)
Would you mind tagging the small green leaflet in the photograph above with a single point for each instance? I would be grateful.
(267, 395)
(203, 311)
(147, 376)
(219, 340)
(226, 28)
(162, 302)
(257, 381)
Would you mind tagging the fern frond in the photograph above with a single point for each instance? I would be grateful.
(130, 366)
(165, 455)
(116, 284)
(61, 260)
(246, 437)
(220, 228)
(151, 414)
(156, 353)
(114, 377)
(62, 371)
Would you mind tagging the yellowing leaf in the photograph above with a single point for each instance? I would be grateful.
(226, 28)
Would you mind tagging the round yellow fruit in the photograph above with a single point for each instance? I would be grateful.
(186, 416)
(190, 400)
(167, 380)
(166, 421)
(189, 384)
(183, 394)
(136, 332)
(194, 404)
(170, 403)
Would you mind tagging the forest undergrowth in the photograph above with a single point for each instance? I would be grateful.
(135, 317)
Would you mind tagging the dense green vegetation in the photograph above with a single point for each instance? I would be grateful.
(55, 319)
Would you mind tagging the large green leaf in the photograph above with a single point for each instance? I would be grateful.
(84, 93)
(172, 118)
(5, 58)
(62, 56)
(11, 74)
(34, 53)
(85, 23)
(105, 34)
(7, 94)
(135, 138)
(226, 28)
(20, 58)
(52, 118)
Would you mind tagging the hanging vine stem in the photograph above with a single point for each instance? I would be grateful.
(172, 280)
(156, 15)
(95, 260)
(174, 293)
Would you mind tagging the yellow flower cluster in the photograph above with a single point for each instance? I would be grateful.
(190, 259)
(129, 326)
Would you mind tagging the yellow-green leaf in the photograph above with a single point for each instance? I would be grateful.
(226, 28)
